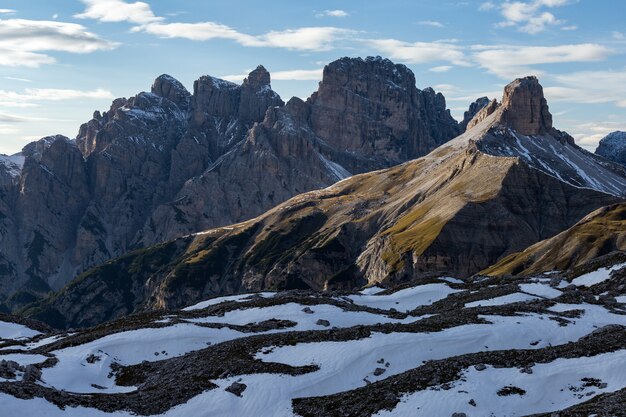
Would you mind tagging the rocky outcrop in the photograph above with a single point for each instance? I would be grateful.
(170, 88)
(524, 107)
(613, 147)
(474, 108)
(372, 108)
(168, 163)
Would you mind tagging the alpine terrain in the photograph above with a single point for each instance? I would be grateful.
(358, 253)
(510, 181)
(543, 345)
(167, 163)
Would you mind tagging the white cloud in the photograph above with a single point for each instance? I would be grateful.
(431, 23)
(514, 61)
(420, 52)
(22, 41)
(306, 39)
(442, 68)
(7, 11)
(333, 13)
(118, 11)
(569, 28)
(289, 75)
(51, 94)
(9, 118)
(140, 13)
(590, 87)
(588, 135)
(528, 16)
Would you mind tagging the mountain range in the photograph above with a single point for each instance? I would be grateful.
(357, 253)
(510, 181)
(167, 163)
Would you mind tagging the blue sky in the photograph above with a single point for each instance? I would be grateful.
(61, 60)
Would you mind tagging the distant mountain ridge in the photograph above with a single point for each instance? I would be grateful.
(166, 163)
(509, 181)
(613, 147)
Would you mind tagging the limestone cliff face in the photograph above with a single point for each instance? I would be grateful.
(524, 107)
(471, 202)
(168, 162)
(373, 109)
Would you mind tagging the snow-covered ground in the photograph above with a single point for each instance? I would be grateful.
(15, 331)
(394, 344)
(407, 299)
(550, 387)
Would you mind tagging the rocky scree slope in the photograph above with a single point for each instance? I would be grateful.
(167, 163)
(510, 181)
(538, 345)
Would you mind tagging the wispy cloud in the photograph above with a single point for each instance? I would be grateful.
(332, 13)
(30, 96)
(7, 11)
(23, 41)
(24, 80)
(590, 87)
(486, 6)
(509, 61)
(289, 75)
(304, 39)
(589, 134)
(420, 52)
(140, 13)
(619, 36)
(442, 68)
(431, 23)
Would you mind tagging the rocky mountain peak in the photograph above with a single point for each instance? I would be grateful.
(524, 107)
(613, 147)
(170, 88)
(364, 76)
(258, 78)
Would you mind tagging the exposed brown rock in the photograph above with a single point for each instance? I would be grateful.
(524, 107)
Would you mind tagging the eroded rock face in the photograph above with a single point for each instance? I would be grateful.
(490, 192)
(167, 163)
(613, 147)
(367, 114)
(372, 108)
(524, 107)
(474, 108)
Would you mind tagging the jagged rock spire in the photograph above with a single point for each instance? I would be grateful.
(258, 78)
(524, 108)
